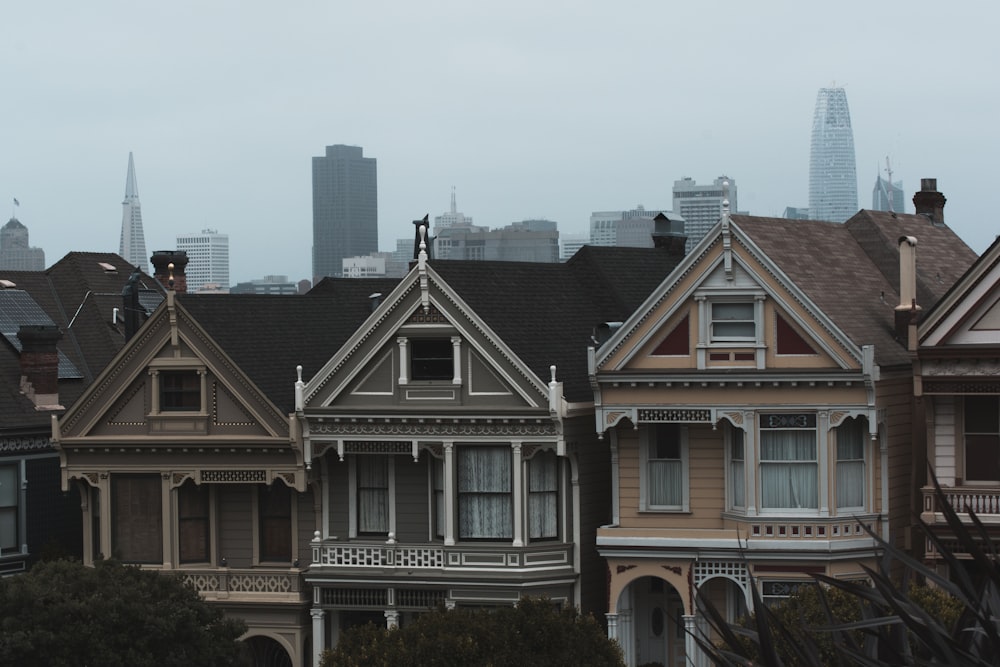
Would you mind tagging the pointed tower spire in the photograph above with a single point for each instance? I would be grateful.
(133, 243)
(454, 208)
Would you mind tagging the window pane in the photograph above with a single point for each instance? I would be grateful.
(788, 469)
(275, 506)
(666, 483)
(193, 523)
(982, 414)
(484, 493)
(180, 390)
(431, 359)
(851, 438)
(982, 457)
(737, 473)
(732, 311)
(373, 494)
(9, 494)
(138, 519)
(543, 496)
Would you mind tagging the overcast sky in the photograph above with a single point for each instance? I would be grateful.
(529, 108)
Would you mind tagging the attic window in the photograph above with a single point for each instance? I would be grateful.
(431, 359)
(733, 322)
(180, 391)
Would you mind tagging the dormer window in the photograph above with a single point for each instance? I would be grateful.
(180, 391)
(733, 322)
(431, 359)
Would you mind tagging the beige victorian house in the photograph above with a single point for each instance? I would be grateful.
(758, 411)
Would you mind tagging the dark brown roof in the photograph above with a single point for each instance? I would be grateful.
(851, 270)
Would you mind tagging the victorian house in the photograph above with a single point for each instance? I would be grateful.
(957, 390)
(187, 455)
(60, 327)
(757, 406)
(451, 439)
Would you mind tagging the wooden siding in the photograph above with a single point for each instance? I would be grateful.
(895, 396)
(943, 446)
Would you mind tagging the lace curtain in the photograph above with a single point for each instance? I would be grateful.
(373, 494)
(543, 488)
(484, 493)
(851, 436)
(788, 474)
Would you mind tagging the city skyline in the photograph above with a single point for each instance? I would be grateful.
(528, 111)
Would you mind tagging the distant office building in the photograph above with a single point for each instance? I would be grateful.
(526, 241)
(267, 285)
(453, 218)
(208, 259)
(833, 179)
(888, 196)
(604, 224)
(570, 243)
(701, 205)
(15, 253)
(796, 213)
(133, 243)
(345, 208)
(365, 266)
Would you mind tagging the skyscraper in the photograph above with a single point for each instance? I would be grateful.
(701, 205)
(208, 259)
(833, 179)
(15, 253)
(888, 196)
(345, 208)
(133, 243)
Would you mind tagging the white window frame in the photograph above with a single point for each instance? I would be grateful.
(732, 436)
(645, 448)
(861, 423)
(16, 510)
(815, 461)
(717, 338)
(533, 494)
(709, 343)
(352, 484)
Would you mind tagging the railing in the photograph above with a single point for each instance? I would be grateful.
(226, 582)
(437, 557)
(983, 502)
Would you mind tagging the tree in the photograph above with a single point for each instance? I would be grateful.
(534, 633)
(64, 613)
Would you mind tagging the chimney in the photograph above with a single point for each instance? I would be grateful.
(669, 234)
(907, 312)
(168, 268)
(929, 202)
(40, 364)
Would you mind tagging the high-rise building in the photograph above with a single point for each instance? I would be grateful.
(208, 260)
(133, 243)
(15, 253)
(453, 218)
(833, 179)
(525, 241)
(604, 224)
(888, 196)
(345, 208)
(701, 205)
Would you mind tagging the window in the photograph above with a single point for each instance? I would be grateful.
(10, 493)
(180, 391)
(851, 436)
(543, 496)
(665, 478)
(737, 469)
(431, 359)
(733, 322)
(437, 471)
(484, 493)
(193, 539)
(982, 438)
(788, 465)
(138, 518)
(275, 507)
(373, 494)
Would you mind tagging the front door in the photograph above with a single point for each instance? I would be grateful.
(658, 616)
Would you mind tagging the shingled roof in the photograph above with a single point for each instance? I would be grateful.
(79, 294)
(851, 270)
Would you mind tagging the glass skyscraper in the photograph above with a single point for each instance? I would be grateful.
(833, 179)
(345, 209)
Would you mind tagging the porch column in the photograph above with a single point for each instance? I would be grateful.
(612, 626)
(449, 494)
(391, 619)
(404, 361)
(105, 517)
(165, 525)
(319, 634)
(626, 635)
(691, 650)
(517, 467)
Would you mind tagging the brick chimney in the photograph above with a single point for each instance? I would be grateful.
(929, 202)
(168, 268)
(669, 234)
(40, 364)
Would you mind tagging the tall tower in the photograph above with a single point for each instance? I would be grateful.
(701, 205)
(345, 209)
(208, 259)
(133, 244)
(833, 179)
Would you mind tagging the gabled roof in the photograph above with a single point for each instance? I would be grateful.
(79, 294)
(851, 270)
(547, 313)
(267, 336)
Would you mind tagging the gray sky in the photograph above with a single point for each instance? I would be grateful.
(528, 108)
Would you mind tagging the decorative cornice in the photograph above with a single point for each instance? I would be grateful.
(666, 415)
(961, 368)
(25, 443)
(408, 429)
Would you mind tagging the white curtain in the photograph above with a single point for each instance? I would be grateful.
(666, 482)
(373, 494)
(543, 488)
(484, 493)
(851, 436)
(788, 472)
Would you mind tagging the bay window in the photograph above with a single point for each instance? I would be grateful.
(543, 493)
(485, 509)
(788, 462)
